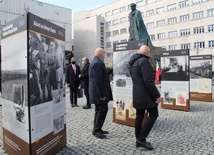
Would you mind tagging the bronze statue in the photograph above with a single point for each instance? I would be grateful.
(137, 28)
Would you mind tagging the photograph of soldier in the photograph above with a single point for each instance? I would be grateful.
(174, 68)
(121, 82)
(47, 67)
(200, 69)
(168, 97)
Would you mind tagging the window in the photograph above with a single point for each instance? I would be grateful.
(172, 34)
(108, 44)
(197, 2)
(211, 43)
(115, 11)
(210, 28)
(115, 32)
(210, 12)
(108, 13)
(173, 47)
(159, 10)
(183, 4)
(124, 30)
(172, 20)
(161, 36)
(124, 40)
(198, 30)
(114, 22)
(123, 19)
(142, 14)
(171, 7)
(149, 13)
(122, 9)
(185, 46)
(160, 22)
(184, 18)
(108, 24)
(115, 42)
(149, 1)
(108, 34)
(150, 25)
(140, 3)
(152, 37)
(185, 32)
(198, 15)
(198, 45)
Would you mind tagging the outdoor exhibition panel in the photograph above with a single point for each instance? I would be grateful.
(123, 111)
(201, 78)
(33, 86)
(175, 80)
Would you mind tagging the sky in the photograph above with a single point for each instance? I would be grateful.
(79, 5)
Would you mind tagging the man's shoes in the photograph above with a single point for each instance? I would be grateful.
(86, 107)
(72, 105)
(76, 105)
(144, 144)
(99, 135)
(104, 132)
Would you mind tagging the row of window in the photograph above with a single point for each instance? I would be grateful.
(183, 32)
(170, 7)
(171, 34)
(172, 20)
(197, 45)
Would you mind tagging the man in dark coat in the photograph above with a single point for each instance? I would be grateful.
(85, 81)
(145, 95)
(99, 91)
(73, 80)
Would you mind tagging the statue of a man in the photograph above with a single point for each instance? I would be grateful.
(137, 28)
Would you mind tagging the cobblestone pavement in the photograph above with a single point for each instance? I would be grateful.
(174, 133)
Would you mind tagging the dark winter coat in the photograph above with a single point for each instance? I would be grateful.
(73, 79)
(99, 84)
(84, 76)
(145, 92)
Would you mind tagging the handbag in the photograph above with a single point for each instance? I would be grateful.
(80, 93)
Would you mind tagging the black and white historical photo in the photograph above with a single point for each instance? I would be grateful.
(47, 68)
(200, 69)
(121, 82)
(18, 99)
(174, 68)
(58, 95)
(58, 124)
(168, 97)
(122, 59)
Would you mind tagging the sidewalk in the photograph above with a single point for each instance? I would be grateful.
(174, 133)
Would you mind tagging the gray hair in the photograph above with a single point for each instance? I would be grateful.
(86, 59)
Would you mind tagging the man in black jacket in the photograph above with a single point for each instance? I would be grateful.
(85, 81)
(99, 91)
(145, 95)
(73, 80)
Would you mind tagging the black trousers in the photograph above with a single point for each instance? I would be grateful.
(87, 95)
(141, 132)
(100, 116)
(73, 95)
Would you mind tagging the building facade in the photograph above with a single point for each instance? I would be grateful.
(10, 9)
(178, 24)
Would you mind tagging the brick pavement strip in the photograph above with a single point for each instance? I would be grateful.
(175, 132)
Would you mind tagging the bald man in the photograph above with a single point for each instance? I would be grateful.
(99, 91)
(145, 95)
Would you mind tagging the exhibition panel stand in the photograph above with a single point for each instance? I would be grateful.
(33, 87)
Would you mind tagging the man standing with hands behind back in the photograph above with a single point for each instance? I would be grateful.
(73, 80)
(145, 95)
(99, 91)
(85, 81)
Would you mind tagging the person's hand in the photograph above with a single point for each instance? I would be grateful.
(158, 100)
(79, 75)
(103, 98)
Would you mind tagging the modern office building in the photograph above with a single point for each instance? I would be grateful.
(10, 9)
(178, 24)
